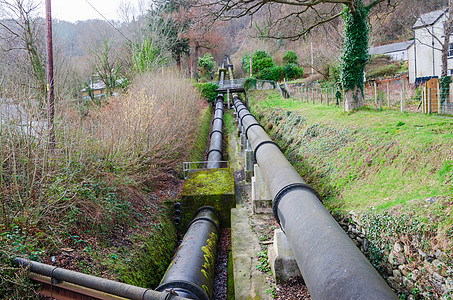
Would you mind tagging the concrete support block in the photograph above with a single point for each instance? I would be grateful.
(281, 258)
(208, 187)
(261, 198)
(243, 141)
(249, 166)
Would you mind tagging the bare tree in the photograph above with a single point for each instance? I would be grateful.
(22, 31)
(294, 19)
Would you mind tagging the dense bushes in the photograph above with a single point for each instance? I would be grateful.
(260, 60)
(208, 90)
(264, 67)
(290, 57)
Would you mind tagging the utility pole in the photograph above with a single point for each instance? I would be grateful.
(50, 82)
(251, 62)
(311, 48)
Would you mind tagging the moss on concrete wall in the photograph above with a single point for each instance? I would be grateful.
(213, 187)
(146, 265)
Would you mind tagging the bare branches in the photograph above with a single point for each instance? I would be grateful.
(299, 18)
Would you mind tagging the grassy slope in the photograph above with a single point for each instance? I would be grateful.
(369, 160)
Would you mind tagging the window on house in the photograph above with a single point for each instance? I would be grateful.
(450, 50)
(450, 72)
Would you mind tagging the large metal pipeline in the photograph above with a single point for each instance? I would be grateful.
(191, 272)
(331, 264)
(215, 146)
(99, 284)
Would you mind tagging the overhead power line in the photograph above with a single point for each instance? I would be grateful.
(108, 21)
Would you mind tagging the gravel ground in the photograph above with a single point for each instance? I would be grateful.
(293, 289)
(221, 269)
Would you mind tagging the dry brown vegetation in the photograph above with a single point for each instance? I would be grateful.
(101, 159)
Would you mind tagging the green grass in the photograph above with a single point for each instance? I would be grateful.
(368, 160)
(201, 139)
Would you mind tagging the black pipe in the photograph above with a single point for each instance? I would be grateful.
(191, 272)
(215, 146)
(331, 264)
(95, 283)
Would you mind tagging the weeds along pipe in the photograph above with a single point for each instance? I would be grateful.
(331, 264)
(95, 283)
(215, 146)
(191, 272)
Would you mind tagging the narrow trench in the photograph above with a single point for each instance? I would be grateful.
(220, 288)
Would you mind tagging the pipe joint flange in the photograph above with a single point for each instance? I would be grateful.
(170, 294)
(209, 152)
(285, 190)
(255, 124)
(185, 286)
(203, 208)
(261, 144)
(219, 108)
(217, 228)
(246, 115)
(210, 136)
(218, 118)
(241, 109)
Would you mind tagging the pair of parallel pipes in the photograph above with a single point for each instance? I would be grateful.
(331, 264)
(189, 276)
(191, 272)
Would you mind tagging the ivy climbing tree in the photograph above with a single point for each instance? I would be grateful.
(301, 16)
(355, 54)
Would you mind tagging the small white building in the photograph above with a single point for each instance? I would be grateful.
(396, 51)
(425, 53)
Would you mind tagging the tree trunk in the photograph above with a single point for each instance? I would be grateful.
(355, 55)
(353, 99)
(178, 62)
(197, 49)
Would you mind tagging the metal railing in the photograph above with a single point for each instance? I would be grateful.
(193, 166)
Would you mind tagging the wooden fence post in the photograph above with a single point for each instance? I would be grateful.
(402, 96)
(424, 99)
(375, 93)
(327, 96)
(429, 100)
(439, 110)
(388, 94)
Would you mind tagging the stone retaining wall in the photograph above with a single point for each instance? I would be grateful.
(413, 273)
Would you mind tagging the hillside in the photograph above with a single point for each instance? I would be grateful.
(389, 173)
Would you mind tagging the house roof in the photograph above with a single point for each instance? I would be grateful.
(429, 19)
(96, 86)
(390, 48)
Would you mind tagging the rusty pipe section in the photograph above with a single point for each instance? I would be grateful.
(96, 283)
(191, 272)
(331, 264)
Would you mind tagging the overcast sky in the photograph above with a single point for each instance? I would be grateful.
(75, 10)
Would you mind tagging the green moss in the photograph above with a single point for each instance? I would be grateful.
(213, 187)
(201, 139)
(230, 286)
(209, 182)
(146, 266)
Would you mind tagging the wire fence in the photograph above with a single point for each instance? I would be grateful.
(390, 95)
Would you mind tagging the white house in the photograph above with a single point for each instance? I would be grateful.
(396, 51)
(425, 53)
